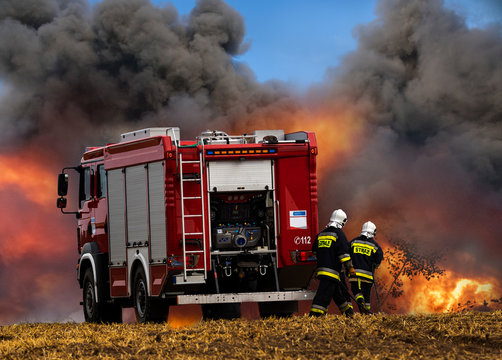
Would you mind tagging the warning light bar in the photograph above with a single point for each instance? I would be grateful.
(240, 152)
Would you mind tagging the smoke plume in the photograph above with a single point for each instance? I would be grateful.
(429, 169)
(75, 70)
(409, 125)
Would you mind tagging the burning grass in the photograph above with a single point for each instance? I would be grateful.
(455, 335)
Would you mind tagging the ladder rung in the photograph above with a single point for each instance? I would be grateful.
(197, 233)
(199, 215)
(190, 179)
(192, 197)
(194, 251)
(197, 269)
(190, 162)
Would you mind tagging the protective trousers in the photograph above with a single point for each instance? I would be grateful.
(344, 288)
(330, 289)
(362, 293)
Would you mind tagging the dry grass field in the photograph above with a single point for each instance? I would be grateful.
(437, 336)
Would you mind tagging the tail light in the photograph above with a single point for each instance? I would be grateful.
(302, 256)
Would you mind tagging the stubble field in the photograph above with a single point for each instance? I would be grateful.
(446, 336)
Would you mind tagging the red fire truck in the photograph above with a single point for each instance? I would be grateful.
(216, 221)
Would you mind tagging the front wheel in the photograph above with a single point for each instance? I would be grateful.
(146, 308)
(97, 312)
(91, 307)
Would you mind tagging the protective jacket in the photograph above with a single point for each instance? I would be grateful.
(366, 256)
(332, 250)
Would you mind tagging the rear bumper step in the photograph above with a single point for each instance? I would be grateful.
(245, 297)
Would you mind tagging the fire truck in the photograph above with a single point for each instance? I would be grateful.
(216, 221)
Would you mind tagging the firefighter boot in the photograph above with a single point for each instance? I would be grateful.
(316, 314)
(347, 310)
(360, 304)
(317, 310)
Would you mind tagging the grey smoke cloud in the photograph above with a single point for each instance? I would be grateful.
(96, 71)
(422, 73)
(430, 169)
(428, 88)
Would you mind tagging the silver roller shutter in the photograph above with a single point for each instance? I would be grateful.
(237, 175)
(137, 216)
(157, 211)
(116, 214)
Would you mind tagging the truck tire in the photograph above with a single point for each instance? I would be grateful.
(146, 308)
(97, 312)
(221, 311)
(91, 308)
(280, 309)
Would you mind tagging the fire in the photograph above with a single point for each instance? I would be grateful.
(337, 129)
(184, 315)
(31, 177)
(449, 293)
(37, 247)
(35, 250)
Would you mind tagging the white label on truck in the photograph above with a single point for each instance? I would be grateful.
(298, 219)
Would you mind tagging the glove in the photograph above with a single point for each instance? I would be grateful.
(352, 272)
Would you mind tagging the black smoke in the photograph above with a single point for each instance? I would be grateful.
(426, 88)
(429, 169)
(420, 72)
(76, 72)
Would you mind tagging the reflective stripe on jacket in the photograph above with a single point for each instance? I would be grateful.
(366, 255)
(332, 250)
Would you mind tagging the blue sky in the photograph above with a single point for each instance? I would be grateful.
(297, 41)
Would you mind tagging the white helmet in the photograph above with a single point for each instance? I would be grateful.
(338, 219)
(369, 229)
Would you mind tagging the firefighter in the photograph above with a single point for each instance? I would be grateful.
(332, 252)
(366, 256)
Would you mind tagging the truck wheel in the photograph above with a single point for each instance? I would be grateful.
(279, 309)
(91, 307)
(146, 308)
(98, 312)
(221, 311)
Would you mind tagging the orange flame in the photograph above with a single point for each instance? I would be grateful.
(33, 230)
(184, 315)
(336, 129)
(31, 177)
(35, 245)
(448, 293)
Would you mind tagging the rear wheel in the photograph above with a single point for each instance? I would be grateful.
(146, 308)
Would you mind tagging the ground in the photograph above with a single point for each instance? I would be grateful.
(470, 335)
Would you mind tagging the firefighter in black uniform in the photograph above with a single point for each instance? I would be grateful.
(332, 252)
(366, 256)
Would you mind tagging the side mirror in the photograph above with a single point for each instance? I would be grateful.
(61, 203)
(62, 185)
